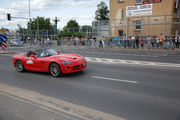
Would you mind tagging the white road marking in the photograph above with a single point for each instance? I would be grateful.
(131, 62)
(112, 79)
(121, 61)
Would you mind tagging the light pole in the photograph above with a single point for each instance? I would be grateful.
(30, 21)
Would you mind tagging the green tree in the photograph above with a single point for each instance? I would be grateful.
(102, 13)
(72, 23)
(71, 26)
(40, 23)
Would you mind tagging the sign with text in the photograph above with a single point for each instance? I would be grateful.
(151, 1)
(139, 10)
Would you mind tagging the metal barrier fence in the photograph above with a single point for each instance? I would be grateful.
(146, 25)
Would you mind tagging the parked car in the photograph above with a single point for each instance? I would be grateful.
(49, 60)
(16, 42)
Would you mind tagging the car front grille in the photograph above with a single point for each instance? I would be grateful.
(77, 67)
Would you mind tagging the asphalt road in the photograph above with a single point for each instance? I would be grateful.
(130, 91)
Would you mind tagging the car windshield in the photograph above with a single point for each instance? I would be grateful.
(45, 53)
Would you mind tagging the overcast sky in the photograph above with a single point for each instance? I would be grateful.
(83, 11)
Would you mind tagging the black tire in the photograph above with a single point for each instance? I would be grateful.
(19, 66)
(55, 70)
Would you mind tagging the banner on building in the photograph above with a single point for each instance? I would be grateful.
(151, 1)
(139, 10)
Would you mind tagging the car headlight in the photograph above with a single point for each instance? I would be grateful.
(66, 62)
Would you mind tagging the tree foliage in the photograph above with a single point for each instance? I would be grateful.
(72, 23)
(70, 34)
(72, 26)
(102, 13)
(41, 22)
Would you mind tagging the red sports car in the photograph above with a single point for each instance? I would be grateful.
(48, 60)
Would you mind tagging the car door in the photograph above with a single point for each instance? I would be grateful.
(34, 63)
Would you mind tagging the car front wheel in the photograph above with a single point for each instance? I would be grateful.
(55, 70)
(19, 66)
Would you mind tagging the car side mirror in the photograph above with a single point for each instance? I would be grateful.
(58, 51)
(33, 56)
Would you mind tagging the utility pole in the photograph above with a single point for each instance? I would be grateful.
(31, 40)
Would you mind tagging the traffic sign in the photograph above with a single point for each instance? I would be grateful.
(3, 30)
(3, 40)
(4, 46)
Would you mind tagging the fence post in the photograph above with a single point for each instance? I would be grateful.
(165, 17)
(127, 27)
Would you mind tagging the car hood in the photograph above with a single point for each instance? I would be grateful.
(67, 57)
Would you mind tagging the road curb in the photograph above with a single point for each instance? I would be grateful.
(6, 52)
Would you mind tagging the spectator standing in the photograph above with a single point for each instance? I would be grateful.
(129, 42)
(101, 42)
(133, 42)
(35, 41)
(137, 41)
(172, 41)
(117, 42)
(153, 41)
(161, 40)
(125, 40)
(142, 42)
(166, 42)
(157, 42)
(109, 41)
(95, 42)
(177, 41)
(149, 41)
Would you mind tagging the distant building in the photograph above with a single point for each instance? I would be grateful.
(144, 17)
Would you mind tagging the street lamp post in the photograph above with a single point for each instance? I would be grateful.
(30, 22)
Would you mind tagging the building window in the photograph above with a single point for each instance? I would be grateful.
(138, 25)
(138, 1)
(122, 14)
(120, 1)
(120, 32)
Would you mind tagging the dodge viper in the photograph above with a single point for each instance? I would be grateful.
(49, 60)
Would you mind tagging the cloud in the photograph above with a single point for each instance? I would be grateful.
(81, 10)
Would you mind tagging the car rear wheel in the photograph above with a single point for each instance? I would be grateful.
(55, 70)
(19, 66)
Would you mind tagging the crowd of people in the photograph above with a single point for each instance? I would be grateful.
(131, 42)
(152, 42)
(160, 41)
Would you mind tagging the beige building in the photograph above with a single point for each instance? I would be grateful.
(144, 17)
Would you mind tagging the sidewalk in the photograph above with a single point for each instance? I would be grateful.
(14, 108)
(22, 104)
